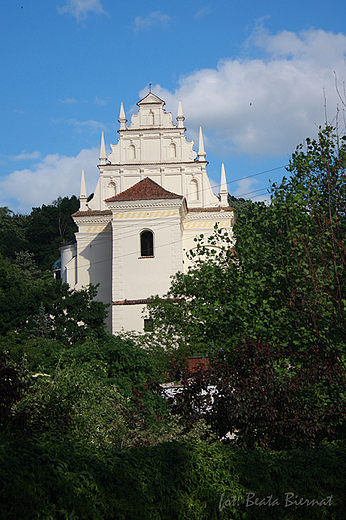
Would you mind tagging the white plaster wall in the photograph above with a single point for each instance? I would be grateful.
(136, 277)
(145, 276)
(94, 260)
(130, 317)
(67, 259)
(83, 259)
(68, 273)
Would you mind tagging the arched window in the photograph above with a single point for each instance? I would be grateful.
(193, 191)
(172, 151)
(147, 243)
(132, 152)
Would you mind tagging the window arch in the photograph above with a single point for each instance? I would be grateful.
(132, 152)
(193, 191)
(151, 117)
(147, 243)
(172, 150)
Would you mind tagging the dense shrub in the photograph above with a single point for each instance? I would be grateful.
(170, 481)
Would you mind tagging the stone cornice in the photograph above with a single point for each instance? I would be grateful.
(209, 214)
(122, 205)
(85, 218)
(153, 129)
(140, 165)
(143, 301)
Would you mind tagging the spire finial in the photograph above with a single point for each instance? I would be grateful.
(149, 88)
(103, 156)
(83, 196)
(180, 116)
(122, 119)
(201, 152)
(223, 188)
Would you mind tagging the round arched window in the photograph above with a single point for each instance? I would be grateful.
(147, 243)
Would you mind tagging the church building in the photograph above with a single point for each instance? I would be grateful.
(153, 197)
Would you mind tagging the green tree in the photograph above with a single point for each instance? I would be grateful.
(49, 227)
(73, 315)
(72, 402)
(284, 279)
(267, 396)
(198, 312)
(282, 284)
(293, 252)
(39, 234)
(13, 229)
(239, 204)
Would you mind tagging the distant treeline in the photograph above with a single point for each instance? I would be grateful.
(32, 241)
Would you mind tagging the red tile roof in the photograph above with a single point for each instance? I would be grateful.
(145, 189)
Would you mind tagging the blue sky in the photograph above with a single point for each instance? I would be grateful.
(252, 74)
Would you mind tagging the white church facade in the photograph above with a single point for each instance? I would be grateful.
(152, 198)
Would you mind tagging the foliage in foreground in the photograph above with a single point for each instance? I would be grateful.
(54, 480)
(102, 391)
(267, 402)
(282, 284)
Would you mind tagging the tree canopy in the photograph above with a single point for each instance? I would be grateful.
(272, 305)
(40, 233)
(284, 279)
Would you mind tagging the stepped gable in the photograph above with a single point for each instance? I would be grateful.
(146, 189)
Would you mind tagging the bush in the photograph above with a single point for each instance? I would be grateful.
(189, 481)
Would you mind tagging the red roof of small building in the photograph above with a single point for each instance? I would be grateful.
(145, 189)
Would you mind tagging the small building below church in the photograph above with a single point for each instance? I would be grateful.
(153, 197)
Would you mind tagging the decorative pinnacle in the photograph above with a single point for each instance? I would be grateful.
(83, 196)
(201, 152)
(103, 156)
(122, 119)
(223, 188)
(180, 116)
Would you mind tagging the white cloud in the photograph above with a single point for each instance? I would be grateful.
(81, 8)
(90, 126)
(244, 186)
(23, 156)
(154, 19)
(202, 13)
(68, 101)
(268, 105)
(100, 102)
(52, 177)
